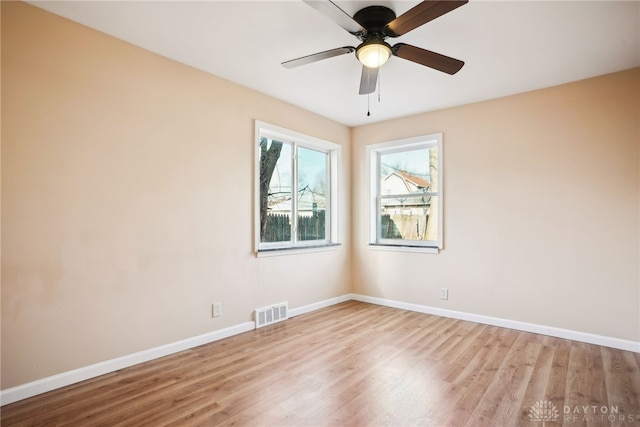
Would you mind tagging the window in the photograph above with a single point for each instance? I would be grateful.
(296, 190)
(406, 193)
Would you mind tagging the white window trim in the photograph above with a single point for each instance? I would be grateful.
(334, 158)
(373, 172)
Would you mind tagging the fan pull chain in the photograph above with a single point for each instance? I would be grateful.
(368, 104)
(379, 80)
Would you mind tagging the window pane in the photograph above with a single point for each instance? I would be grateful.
(409, 218)
(408, 172)
(275, 191)
(312, 185)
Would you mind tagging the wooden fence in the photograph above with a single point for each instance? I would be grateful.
(314, 227)
(309, 227)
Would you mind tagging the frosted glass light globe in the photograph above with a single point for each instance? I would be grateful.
(373, 55)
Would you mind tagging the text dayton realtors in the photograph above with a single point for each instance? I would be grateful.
(594, 413)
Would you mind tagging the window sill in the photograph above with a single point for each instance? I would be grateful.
(404, 248)
(297, 250)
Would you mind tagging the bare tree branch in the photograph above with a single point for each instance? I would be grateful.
(269, 155)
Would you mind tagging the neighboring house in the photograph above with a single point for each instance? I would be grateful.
(398, 182)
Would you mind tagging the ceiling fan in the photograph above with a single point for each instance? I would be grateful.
(372, 26)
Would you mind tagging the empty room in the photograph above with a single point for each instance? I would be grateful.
(320, 213)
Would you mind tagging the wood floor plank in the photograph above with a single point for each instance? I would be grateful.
(480, 373)
(508, 411)
(586, 388)
(468, 341)
(353, 364)
(538, 382)
(622, 377)
(507, 387)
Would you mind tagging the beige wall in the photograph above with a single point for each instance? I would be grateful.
(120, 169)
(541, 209)
(127, 200)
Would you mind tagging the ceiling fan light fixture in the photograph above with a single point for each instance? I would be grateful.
(373, 55)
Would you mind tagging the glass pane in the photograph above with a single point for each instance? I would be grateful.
(275, 191)
(409, 218)
(408, 172)
(312, 194)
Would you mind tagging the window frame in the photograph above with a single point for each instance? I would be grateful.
(373, 153)
(297, 140)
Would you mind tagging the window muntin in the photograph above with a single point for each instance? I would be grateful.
(302, 166)
(406, 192)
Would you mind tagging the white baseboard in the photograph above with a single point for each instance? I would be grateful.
(506, 323)
(318, 305)
(44, 385)
(64, 379)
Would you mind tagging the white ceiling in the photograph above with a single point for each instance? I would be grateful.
(508, 47)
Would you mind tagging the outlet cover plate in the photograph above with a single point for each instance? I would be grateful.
(217, 309)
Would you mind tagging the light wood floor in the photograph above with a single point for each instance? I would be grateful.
(356, 364)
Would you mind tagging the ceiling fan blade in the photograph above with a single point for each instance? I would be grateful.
(419, 15)
(318, 57)
(427, 58)
(337, 15)
(368, 80)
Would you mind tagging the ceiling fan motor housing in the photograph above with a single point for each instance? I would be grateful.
(374, 19)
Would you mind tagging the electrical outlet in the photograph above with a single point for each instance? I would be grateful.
(217, 309)
(444, 293)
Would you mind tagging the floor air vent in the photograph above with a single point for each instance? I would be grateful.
(271, 314)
